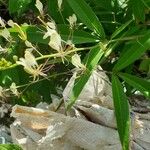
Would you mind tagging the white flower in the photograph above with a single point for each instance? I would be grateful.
(28, 61)
(51, 25)
(29, 45)
(51, 28)
(55, 38)
(72, 20)
(59, 4)
(10, 23)
(2, 50)
(39, 6)
(5, 34)
(70, 43)
(30, 65)
(76, 61)
(55, 41)
(48, 33)
(2, 22)
(14, 90)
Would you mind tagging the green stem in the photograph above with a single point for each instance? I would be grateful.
(51, 76)
(62, 54)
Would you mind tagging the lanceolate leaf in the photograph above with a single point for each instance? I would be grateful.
(9, 147)
(120, 29)
(138, 9)
(91, 61)
(78, 86)
(134, 52)
(140, 84)
(87, 16)
(121, 112)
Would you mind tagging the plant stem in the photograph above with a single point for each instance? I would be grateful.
(62, 54)
(51, 76)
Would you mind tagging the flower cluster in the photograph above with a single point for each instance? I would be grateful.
(31, 66)
(55, 39)
(76, 61)
(5, 32)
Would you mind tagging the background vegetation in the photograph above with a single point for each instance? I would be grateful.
(112, 33)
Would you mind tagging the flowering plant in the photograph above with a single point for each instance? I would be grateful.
(47, 40)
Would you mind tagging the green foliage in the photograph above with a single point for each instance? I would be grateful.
(9, 147)
(114, 34)
(9, 76)
(58, 16)
(120, 29)
(138, 83)
(121, 111)
(87, 16)
(79, 36)
(91, 61)
(18, 6)
(145, 65)
(138, 8)
(136, 51)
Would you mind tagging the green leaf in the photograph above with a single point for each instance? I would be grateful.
(138, 9)
(18, 6)
(9, 147)
(79, 36)
(66, 11)
(9, 76)
(87, 16)
(145, 65)
(121, 112)
(133, 53)
(103, 4)
(91, 61)
(78, 86)
(120, 29)
(140, 84)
